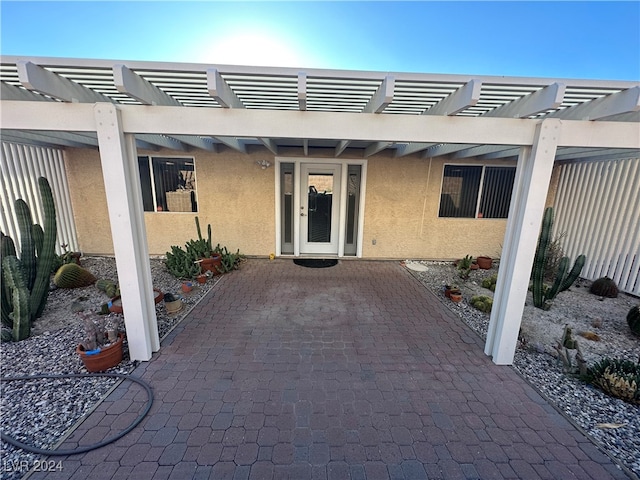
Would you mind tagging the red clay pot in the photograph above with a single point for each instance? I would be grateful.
(107, 358)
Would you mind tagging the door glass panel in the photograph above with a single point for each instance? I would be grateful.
(320, 200)
(286, 188)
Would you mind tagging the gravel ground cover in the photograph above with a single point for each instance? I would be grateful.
(41, 412)
(612, 423)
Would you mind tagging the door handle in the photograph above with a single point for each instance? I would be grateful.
(303, 214)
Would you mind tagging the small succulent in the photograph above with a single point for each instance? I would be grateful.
(618, 378)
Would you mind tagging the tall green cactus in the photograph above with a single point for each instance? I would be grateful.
(541, 294)
(21, 315)
(37, 252)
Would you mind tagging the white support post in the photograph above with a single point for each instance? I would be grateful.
(124, 200)
(533, 175)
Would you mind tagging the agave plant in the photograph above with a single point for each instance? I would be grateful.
(618, 378)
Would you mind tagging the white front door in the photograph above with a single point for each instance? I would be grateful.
(320, 186)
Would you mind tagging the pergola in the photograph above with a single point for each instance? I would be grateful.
(119, 106)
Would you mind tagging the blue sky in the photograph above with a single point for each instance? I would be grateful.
(571, 39)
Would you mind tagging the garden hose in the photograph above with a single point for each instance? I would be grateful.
(88, 448)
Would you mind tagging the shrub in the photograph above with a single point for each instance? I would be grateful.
(618, 378)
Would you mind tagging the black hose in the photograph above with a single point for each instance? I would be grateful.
(88, 448)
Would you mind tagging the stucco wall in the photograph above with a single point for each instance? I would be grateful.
(402, 202)
(237, 198)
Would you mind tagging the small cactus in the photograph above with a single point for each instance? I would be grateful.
(618, 378)
(482, 303)
(72, 275)
(108, 287)
(604, 287)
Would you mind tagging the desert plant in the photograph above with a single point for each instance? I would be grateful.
(617, 377)
(633, 319)
(542, 295)
(98, 330)
(464, 266)
(482, 303)
(604, 287)
(181, 264)
(31, 269)
(109, 287)
(566, 343)
(230, 261)
(490, 282)
(72, 275)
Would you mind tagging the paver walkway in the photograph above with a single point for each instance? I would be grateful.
(354, 371)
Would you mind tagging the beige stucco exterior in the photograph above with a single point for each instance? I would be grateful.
(237, 197)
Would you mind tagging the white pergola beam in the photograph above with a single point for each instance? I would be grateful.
(410, 148)
(119, 161)
(342, 145)
(11, 92)
(302, 91)
(162, 141)
(376, 147)
(244, 123)
(444, 149)
(67, 139)
(533, 174)
(626, 101)
(34, 77)
(270, 144)
(464, 97)
(220, 90)
(382, 97)
(132, 84)
(548, 98)
(232, 143)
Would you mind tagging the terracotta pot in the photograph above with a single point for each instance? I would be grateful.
(485, 262)
(174, 307)
(211, 264)
(105, 359)
(456, 297)
(202, 278)
(187, 287)
(115, 305)
(474, 266)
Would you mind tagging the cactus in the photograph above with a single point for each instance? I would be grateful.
(482, 303)
(72, 275)
(181, 264)
(109, 287)
(604, 287)
(490, 282)
(541, 294)
(633, 319)
(37, 252)
(21, 316)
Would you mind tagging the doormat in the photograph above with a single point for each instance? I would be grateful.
(316, 262)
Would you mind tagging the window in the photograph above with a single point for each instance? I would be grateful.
(168, 184)
(462, 185)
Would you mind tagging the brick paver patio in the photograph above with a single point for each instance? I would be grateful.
(349, 372)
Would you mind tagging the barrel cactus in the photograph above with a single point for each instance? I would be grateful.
(604, 287)
(633, 319)
(28, 270)
(73, 275)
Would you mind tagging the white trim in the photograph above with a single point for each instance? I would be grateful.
(344, 163)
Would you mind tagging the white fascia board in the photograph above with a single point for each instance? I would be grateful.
(604, 107)
(600, 134)
(270, 144)
(302, 91)
(71, 117)
(220, 90)
(132, 84)
(545, 99)
(383, 96)
(464, 97)
(34, 77)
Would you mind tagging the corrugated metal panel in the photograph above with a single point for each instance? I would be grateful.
(598, 211)
(21, 166)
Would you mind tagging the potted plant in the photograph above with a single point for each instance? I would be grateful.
(485, 262)
(101, 347)
(464, 266)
